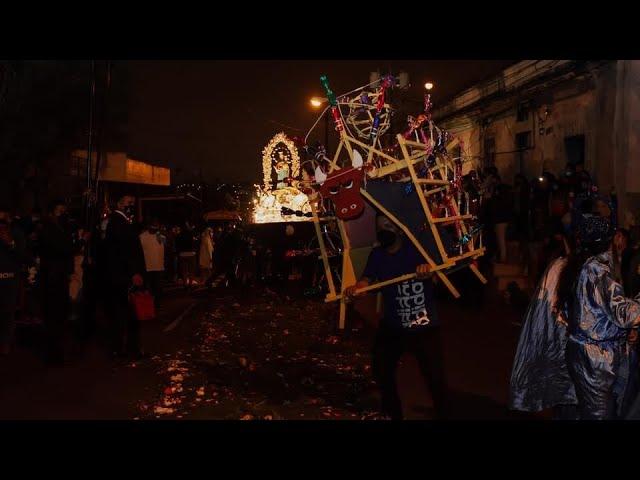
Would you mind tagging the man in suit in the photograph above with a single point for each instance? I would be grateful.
(124, 268)
(56, 266)
(12, 260)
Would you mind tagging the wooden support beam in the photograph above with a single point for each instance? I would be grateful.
(415, 241)
(475, 270)
(387, 169)
(456, 211)
(348, 275)
(348, 146)
(423, 202)
(454, 143)
(435, 190)
(431, 181)
(400, 225)
(323, 250)
(474, 254)
(379, 153)
(449, 285)
(421, 145)
(336, 156)
(386, 283)
(452, 218)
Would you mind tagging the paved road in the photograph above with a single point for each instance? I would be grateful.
(253, 354)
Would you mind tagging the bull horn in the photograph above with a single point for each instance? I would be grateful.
(357, 161)
(320, 175)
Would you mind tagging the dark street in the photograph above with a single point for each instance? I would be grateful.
(268, 239)
(271, 358)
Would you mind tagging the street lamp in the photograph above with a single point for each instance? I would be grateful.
(317, 102)
(428, 86)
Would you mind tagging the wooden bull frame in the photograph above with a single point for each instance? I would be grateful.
(412, 154)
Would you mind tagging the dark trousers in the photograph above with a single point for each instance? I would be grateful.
(633, 384)
(125, 327)
(56, 309)
(155, 281)
(8, 304)
(89, 302)
(426, 346)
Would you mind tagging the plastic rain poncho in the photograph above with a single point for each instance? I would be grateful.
(540, 379)
(598, 355)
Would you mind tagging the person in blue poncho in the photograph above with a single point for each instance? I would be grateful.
(601, 322)
(540, 379)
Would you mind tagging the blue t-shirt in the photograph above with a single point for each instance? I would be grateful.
(408, 305)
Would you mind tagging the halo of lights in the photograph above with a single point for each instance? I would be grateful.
(280, 155)
(279, 149)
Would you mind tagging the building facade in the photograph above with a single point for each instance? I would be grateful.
(539, 115)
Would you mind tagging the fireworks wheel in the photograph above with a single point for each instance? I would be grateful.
(361, 111)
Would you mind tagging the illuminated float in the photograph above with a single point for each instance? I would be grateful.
(281, 168)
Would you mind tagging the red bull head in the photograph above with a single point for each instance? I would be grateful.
(343, 188)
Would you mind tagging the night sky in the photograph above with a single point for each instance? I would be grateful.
(218, 115)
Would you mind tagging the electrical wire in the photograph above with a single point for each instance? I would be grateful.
(285, 126)
(358, 89)
(315, 124)
(269, 120)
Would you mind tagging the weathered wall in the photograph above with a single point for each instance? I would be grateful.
(627, 141)
(605, 108)
(569, 116)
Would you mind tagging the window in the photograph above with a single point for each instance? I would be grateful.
(523, 140)
(522, 112)
(78, 167)
(489, 151)
(574, 146)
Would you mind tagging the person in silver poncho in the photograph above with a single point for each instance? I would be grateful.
(540, 379)
(600, 320)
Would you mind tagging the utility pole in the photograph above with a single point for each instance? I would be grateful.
(100, 134)
(92, 97)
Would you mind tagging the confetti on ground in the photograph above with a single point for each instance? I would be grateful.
(163, 410)
(247, 362)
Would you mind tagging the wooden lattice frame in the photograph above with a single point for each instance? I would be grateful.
(362, 126)
(437, 182)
